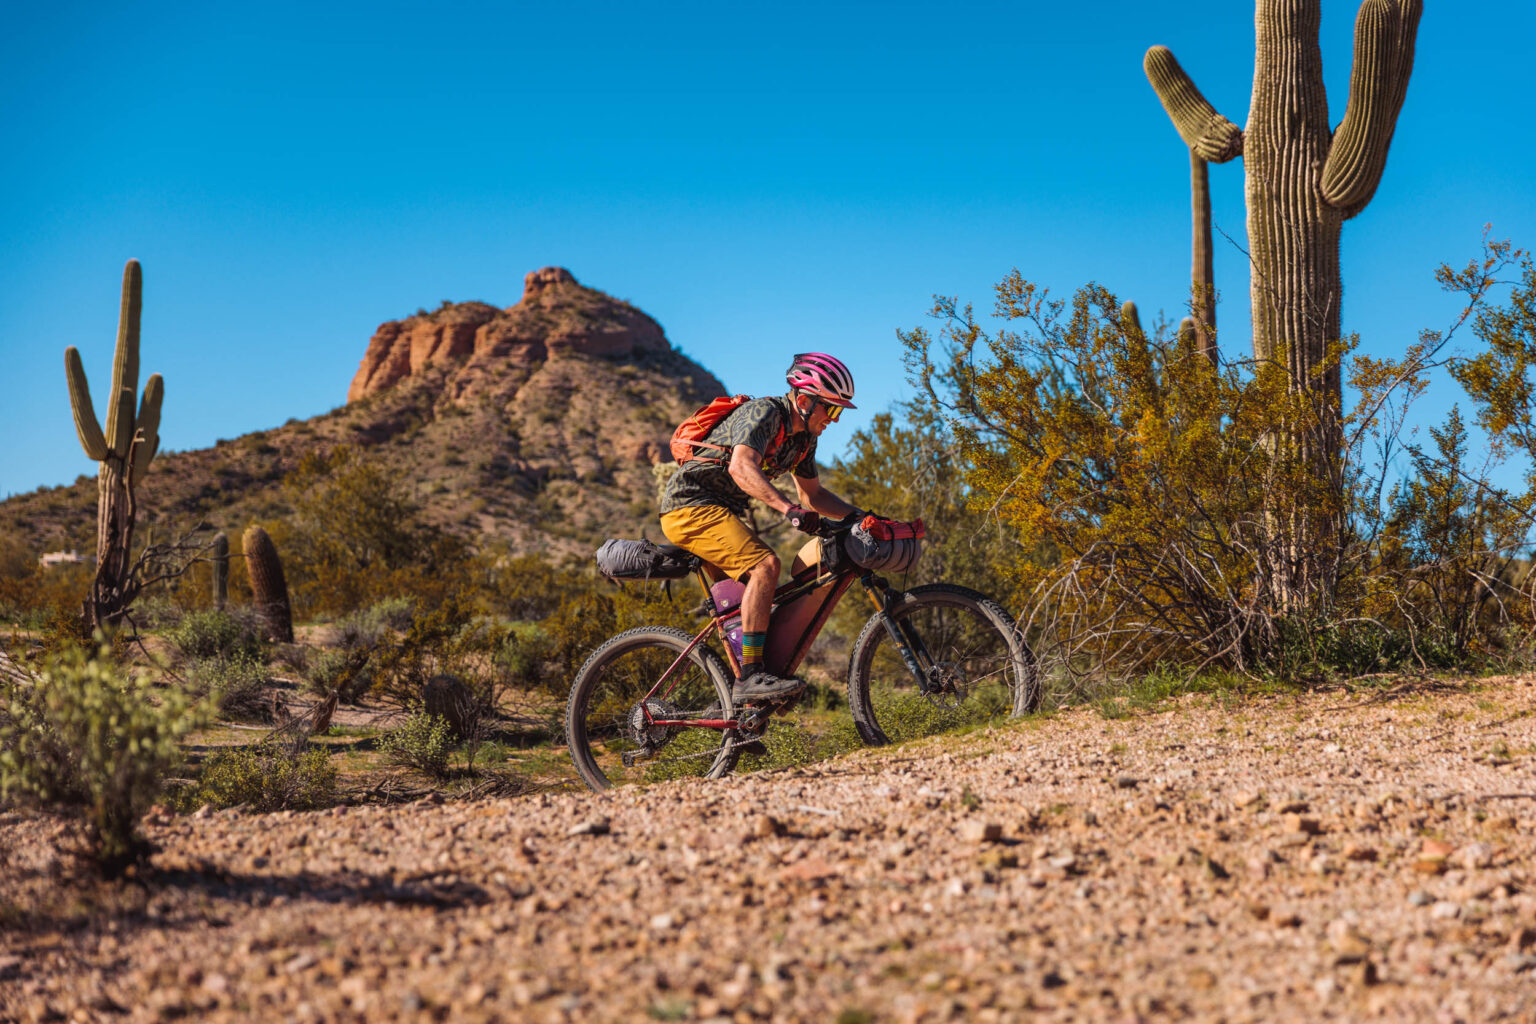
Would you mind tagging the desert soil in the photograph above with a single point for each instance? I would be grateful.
(1332, 856)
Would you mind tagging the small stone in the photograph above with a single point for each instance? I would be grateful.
(1434, 849)
(1420, 898)
(1066, 862)
(1246, 798)
(216, 984)
(1260, 911)
(1473, 857)
(1202, 979)
(1323, 864)
(302, 962)
(205, 811)
(1518, 963)
(662, 923)
(995, 859)
(1126, 782)
(973, 830)
(1364, 974)
(1349, 943)
(1297, 823)
(1429, 865)
(1359, 852)
(1293, 807)
(766, 826)
(1331, 748)
(594, 827)
(1445, 910)
(1288, 919)
(1295, 839)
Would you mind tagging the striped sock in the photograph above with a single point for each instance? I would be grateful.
(752, 650)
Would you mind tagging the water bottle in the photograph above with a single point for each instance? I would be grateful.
(727, 596)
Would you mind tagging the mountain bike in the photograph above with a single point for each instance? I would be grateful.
(654, 702)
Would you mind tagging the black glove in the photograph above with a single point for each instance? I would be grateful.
(803, 519)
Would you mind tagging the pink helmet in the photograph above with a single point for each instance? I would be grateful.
(819, 374)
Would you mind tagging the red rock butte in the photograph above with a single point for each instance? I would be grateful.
(556, 317)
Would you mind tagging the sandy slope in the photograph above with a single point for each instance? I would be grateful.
(1273, 860)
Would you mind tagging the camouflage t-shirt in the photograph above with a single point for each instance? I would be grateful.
(706, 478)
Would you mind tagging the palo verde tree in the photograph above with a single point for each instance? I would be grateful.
(124, 450)
(1303, 180)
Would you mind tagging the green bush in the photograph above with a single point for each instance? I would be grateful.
(421, 742)
(237, 686)
(86, 734)
(214, 634)
(264, 777)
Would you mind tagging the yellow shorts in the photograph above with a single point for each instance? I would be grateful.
(717, 536)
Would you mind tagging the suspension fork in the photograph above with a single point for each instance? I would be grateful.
(908, 644)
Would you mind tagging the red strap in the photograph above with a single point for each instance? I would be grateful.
(889, 529)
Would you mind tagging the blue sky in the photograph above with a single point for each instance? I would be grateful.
(762, 179)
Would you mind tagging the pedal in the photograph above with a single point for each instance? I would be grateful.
(630, 758)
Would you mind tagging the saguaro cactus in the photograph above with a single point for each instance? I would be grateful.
(1303, 180)
(124, 451)
(220, 570)
(268, 585)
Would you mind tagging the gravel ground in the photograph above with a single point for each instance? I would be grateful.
(1313, 858)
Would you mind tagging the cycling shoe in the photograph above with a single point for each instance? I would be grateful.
(764, 686)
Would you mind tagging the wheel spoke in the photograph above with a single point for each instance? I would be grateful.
(612, 738)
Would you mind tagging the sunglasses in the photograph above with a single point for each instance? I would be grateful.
(833, 411)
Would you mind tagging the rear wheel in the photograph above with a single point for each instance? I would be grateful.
(606, 726)
(976, 662)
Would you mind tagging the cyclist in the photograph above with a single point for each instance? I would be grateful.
(704, 502)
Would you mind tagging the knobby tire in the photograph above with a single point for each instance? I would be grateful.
(979, 649)
(611, 684)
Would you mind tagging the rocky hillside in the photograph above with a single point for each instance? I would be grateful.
(1301, 858)
(538, 423)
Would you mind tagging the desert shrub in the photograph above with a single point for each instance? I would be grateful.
(41, 598)
(217, 634)
(421, 742)
(264, 777)
(1172, 507)
(237, 686)
(87, 734)
(357, 536)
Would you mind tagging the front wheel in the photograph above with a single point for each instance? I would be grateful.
(973, 658)
(611, 737)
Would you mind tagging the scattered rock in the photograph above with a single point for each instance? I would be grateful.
(973, 830)
(1360, 852)
(766, 826)
(1350, 945)
(591, 827)
(1445, 910)
(1473, 857)
(1126, 782)
(1297, 823)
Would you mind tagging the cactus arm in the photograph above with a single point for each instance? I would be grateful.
(125, 365)
(148, 425)
(1203, 129)
(1385, 31)
(86, 425)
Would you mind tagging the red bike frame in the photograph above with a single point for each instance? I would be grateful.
(794, 605)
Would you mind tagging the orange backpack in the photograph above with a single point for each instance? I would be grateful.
(690, 435)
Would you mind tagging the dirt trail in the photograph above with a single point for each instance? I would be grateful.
(1314, 858)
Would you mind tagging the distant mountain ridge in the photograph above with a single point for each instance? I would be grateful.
(538, 424)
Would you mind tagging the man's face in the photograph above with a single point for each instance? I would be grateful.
(821, 415)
